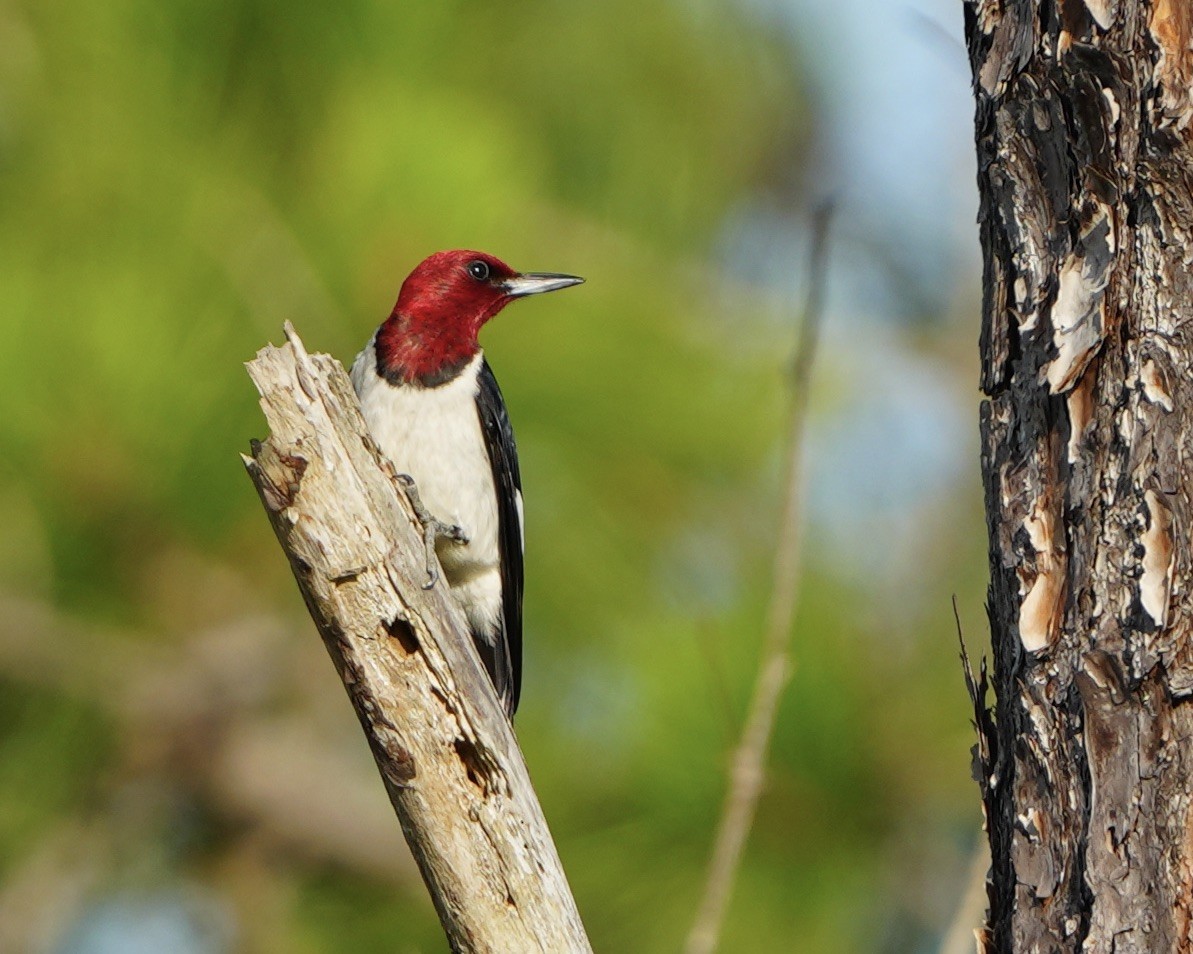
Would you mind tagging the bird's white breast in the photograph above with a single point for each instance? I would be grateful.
(434, 435)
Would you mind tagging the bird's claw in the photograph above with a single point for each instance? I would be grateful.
(433, 529)
(432, 567)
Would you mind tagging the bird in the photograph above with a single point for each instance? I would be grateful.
(433, 407)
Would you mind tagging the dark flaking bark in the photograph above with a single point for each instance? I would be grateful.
(1082, 126)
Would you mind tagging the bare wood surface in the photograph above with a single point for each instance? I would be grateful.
(445, 751)
(1085, 173)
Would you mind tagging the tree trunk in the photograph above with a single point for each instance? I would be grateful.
(446, 751)
(1086, 218)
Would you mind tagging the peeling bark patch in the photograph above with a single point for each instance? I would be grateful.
(1154, 388)
(1112, 744)
(1105, 672)
(1031, 823)
(1034, 864)
(1010, 44)
(1156, 582)
(1112, 105)
(1171, 27)
(1102, 11)
(1184, 902)
(988, 14)
(1039, 613)
(1078, 317)
(1080, 407)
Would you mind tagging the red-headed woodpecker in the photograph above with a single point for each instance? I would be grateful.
(433, 406)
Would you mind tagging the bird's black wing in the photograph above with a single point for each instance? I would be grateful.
(503, 657)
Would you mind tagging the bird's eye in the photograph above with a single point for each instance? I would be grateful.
(479, 270)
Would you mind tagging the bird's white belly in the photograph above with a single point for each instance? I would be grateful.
(434, 435)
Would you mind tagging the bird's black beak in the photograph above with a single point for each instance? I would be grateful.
(535, 283)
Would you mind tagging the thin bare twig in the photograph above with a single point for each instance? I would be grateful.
(969, 919)
(749, 759)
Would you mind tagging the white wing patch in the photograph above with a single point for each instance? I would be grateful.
(521, 521)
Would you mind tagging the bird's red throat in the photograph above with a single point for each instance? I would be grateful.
(431, 335)
(431, 344)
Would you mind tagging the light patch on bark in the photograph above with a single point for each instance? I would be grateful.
(1100, 668)
(1035, 862)
(1154, 388)
(1183, 908)
(1171, 27)
(1128, 423)
(1039, 612)
(1031, 823)
(988, 13)
(1102, 11)
(1112, 103)
(1156, 582)
(1025, 316)
(991, 19)
(1078, 317)
(1081, 407)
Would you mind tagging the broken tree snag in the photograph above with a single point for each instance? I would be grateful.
(445, 750)
(1085, 174)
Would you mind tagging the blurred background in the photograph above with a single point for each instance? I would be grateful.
(179, 767)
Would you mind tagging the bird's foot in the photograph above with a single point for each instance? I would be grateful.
(433, 529)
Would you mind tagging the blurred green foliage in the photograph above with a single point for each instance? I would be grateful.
(178, 179)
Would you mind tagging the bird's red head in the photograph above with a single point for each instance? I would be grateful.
(432, 332)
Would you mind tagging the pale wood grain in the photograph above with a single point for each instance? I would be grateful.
(446, 753)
